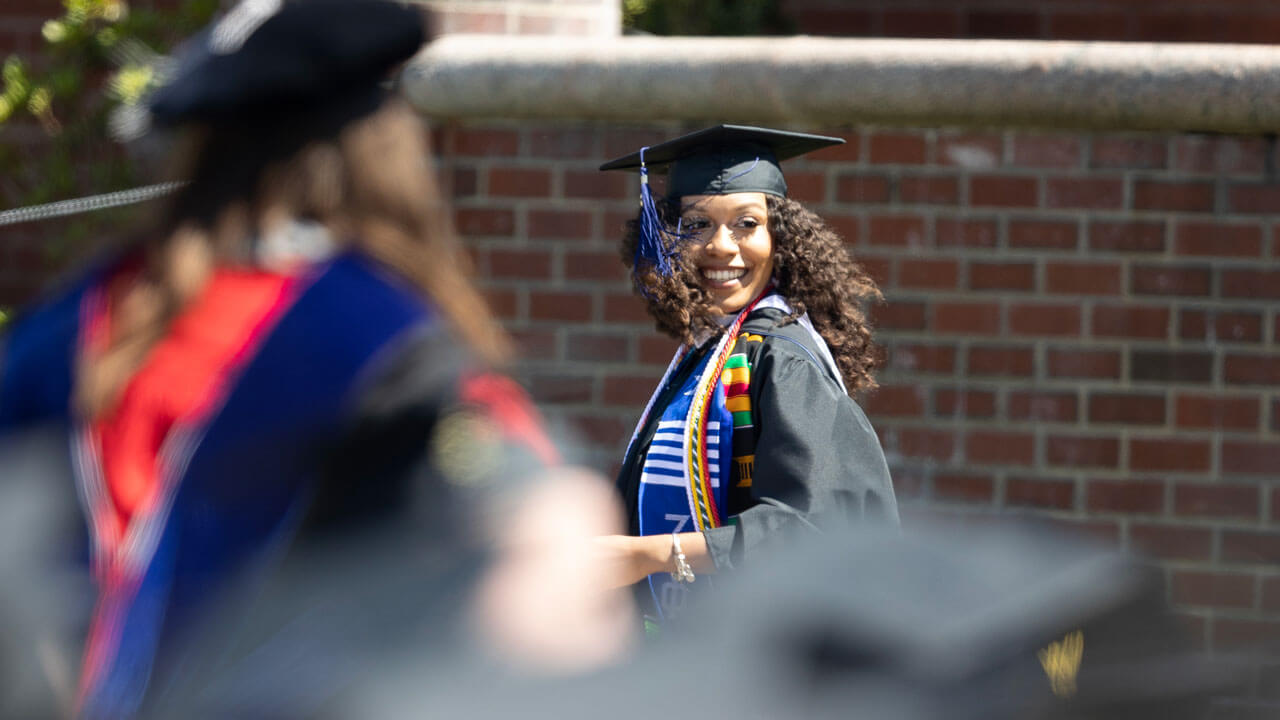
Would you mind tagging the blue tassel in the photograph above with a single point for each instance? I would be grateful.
(651, 250)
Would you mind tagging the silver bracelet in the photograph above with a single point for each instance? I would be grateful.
(683, 573)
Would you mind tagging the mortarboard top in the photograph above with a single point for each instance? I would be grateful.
(274, 58)
(724, 159)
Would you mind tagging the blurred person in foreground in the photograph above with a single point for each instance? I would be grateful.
(752, 436)
(288, 439)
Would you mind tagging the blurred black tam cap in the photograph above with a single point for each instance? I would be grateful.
(268, 59)
(724, 159)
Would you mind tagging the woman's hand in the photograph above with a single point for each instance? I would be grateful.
(624, 559)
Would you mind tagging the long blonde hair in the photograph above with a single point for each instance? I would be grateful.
(369, 183)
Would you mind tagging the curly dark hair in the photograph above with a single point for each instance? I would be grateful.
(811, 269)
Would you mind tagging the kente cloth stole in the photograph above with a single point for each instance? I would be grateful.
(684, 474)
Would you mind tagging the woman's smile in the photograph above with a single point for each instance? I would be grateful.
(724, 277)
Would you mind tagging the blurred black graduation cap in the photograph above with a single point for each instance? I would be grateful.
(724, 159)
(996, 623)
(267, 59)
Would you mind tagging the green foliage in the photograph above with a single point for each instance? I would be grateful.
(55, 106)
(705, 17)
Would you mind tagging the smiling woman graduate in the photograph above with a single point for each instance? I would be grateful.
(752, 433)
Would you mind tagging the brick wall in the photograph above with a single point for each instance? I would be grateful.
(1078, 327)
(1236, 21)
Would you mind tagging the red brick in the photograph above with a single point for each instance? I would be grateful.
(1080, 451)
(1126, 408)
(896, 230)
(1002, 276)
(1271, 594)
(1144, 237)
(1090, 25)
(503, 302)
(950, 402)
(897, 400)
(521, 264)
(973, 151)
(560, 224)
(485, 221)
(1254, 197)
(897, 148)
(1169, 455)
(1251, 370)
(1238, 635)
(480, 142)
(1170, 280)
(1083, 278)
(1171, 542)
(604, 267)
(1217, 239)
(1215, 412)
(626, 308)
(1000, 448)
(1058, 320)
(862, 188)
(1003, 191)
(850, 151)
(1185, 196)
(619, 141)
(928, 190)
(1253, 547)
(1240, 326)
(1193, 324)
(537, 345)
(909, 483)
(968, 318)
(1043, 234)
(963, 488)
(988, 360)
(1042, 406)
(615, 223)
(603, 430)
(1039, 493)
(1124, 496)
(519, 182)
(806, 187)
(1090, 193)
(1120, 152)
(1003, 24)
(560, 389)
(922, 23)
(1216, 500)
(559, 143)
(1208, 589)
(1262, 458)
(1219, 155)
(899, 316)
(1128, 321)
(925, 443)
(1162, 366)
(879, 268)
(842, 22)
(922, 358)
(1047, 151)
(929, 274)
(596, 185)
(559, 306)
(848, 227)
(1251, 284)
(1074, 363)
(598, 347)
(965, 233)
(463, 182)
(657, 349)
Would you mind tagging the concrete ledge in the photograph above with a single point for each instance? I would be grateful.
(830, 81)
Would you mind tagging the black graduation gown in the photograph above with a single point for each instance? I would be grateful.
(818, 461)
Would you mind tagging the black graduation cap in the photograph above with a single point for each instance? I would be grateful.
(268, 59)
(719, 160)
(724, 159)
